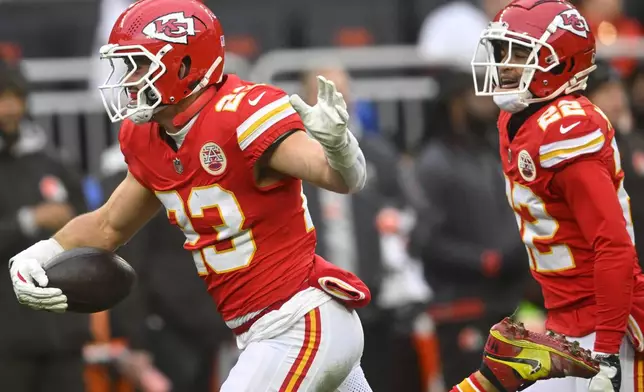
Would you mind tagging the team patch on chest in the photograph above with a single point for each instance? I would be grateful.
(212, 158)
(526, 166)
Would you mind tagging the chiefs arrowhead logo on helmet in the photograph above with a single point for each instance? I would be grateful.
(572, 21)
(173, 28)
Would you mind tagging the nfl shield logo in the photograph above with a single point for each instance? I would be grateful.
(178, 167)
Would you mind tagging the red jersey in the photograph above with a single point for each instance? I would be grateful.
(253, 246)
(565, 183)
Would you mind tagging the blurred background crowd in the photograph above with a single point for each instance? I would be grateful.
(431, 234)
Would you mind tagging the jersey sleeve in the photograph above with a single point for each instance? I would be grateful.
(601, 221)
(570, 139)
(573, 129)
(265, 114)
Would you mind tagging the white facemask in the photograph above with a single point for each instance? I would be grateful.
(114, 92)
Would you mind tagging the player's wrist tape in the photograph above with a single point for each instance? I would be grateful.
(41, 251)
(349, 162)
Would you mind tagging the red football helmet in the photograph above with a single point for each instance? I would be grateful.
(561, 47)
(183, 43)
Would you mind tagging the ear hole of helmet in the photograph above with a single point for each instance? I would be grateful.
(559, 69)
(184, 70)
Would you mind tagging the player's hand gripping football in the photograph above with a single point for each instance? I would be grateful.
(26, 269)
(327, 121)
(609, 378)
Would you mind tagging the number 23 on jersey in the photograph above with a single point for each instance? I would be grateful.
(228, 224)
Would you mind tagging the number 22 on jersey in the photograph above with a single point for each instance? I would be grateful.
(537, 227)
(556, 112)
(230, 220)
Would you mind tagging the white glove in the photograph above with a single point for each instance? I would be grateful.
(27, 267)
(609, 378)
(327, 121)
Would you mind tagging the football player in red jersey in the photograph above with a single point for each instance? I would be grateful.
(565, 183)
(226, 159)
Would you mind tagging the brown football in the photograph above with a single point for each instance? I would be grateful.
(92, 279)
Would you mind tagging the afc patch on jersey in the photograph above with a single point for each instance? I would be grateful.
(526, 166)
(212, 158)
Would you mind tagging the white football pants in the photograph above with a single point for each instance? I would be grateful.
(320, 353)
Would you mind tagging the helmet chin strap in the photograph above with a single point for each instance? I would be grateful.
(182, 118)
(511, 103)
(143, 115)
(143, 111)
(514, 103)
(205, 81)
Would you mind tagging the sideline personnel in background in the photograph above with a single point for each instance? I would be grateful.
(39, 351)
